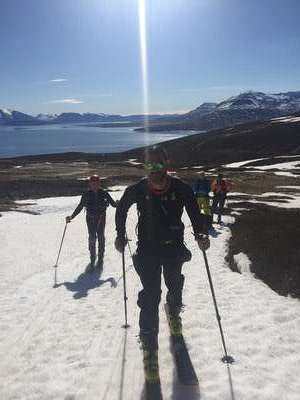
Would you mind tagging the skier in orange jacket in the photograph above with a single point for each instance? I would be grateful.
(220, 187)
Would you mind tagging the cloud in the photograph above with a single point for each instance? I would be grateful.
(66, 101)
(58, 80)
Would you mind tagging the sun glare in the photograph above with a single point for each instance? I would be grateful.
(144, 61)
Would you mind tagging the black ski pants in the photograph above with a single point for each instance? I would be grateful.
(218, 203)
(96, 228)
(149, 268)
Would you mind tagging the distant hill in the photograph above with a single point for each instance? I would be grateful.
(279, 136)
(12, 117)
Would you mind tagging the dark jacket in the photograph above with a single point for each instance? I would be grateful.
(202, 187)
(95, 203)
(159, 216)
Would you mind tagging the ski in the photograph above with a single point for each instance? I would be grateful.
(153, 391)
(185, 370)
(152, 379)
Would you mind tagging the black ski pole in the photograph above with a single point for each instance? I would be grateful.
(226, 358)
(61, 243)
(124, 289)
(129, 247)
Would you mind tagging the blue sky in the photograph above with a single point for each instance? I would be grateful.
(84, 55)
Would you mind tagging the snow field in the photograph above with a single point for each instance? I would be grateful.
(67, 342)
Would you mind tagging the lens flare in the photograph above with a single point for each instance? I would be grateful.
(144, 62)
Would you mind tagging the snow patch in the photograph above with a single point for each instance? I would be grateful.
(6, 111)
(243, 263)
(285, 120)
(242, 163)
(133, 161)
(284, 166)
(293, 156)
(289, 174)
(289, 187)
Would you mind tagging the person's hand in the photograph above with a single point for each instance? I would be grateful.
(120, 243)
(68, 219)
(203, 242)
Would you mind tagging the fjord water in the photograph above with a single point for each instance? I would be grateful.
(46, 139)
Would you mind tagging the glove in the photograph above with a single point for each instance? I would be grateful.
(120, 243)
(68, 219)
(203, 242)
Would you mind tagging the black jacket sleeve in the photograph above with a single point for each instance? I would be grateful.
(128, 198)
(191, 206)
(80, 206)
(111, 200)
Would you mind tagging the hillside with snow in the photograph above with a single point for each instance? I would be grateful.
(67, 342)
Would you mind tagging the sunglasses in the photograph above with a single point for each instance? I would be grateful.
(154, 167)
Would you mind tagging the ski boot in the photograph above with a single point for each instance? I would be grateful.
(175, 324)
(91, 265)
(99, 265)
(175, 307)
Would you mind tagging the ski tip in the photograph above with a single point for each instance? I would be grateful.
(227, 360)
(153, 390)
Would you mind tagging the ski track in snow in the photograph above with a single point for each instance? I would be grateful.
(67, 342)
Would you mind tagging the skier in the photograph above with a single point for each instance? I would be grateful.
(95, 200)
(160, 200)
(220, 187)
(201, 190)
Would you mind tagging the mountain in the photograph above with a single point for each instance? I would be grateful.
(85, 118)
(11, 117)
(100, 117)
(204, 109)
(246, 107)
(46, 117)
(283, 102)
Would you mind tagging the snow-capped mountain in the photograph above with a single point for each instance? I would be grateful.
(249, 106)
(289, 102)
(85, 117)
(9, 117)
(14, 117)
